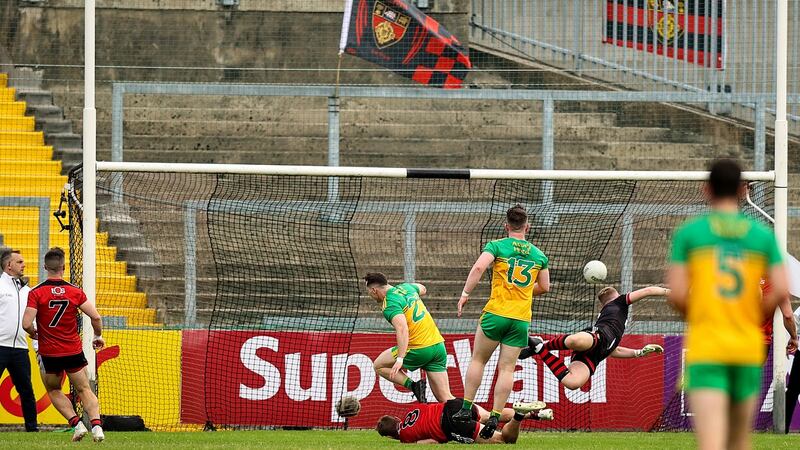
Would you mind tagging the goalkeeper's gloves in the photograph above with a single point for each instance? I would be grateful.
(648, 349)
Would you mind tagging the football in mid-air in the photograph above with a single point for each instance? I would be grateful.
(595, 272)
(348, 407)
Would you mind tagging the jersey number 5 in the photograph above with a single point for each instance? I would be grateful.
(730, 267)
(62, 307)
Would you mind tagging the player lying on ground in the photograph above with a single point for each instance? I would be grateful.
(593, 345)
(54, 304)
(433, 423)
(420, 345)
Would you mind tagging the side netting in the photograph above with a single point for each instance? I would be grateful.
(255, 281)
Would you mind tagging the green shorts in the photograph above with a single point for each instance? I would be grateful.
(507, 331)
(740, 382)
(432, 358)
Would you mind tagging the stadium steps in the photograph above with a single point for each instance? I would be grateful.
(28, 170)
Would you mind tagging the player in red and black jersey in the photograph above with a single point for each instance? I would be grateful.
(593, 345)
(430, 423)
(54, 304)
(785, 306)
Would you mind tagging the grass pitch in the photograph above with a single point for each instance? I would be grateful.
(362, 439)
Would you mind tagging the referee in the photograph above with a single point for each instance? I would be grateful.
(13, 341)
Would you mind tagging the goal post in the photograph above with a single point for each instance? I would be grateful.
(255, 274)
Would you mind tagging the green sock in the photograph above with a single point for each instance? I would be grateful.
(467, 404)
(408, 383)
(495, 413)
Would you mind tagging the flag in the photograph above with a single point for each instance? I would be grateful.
(398, 36)
(682, 29)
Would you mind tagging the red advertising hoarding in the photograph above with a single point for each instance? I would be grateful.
(296, 378)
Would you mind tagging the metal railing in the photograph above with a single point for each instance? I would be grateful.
(43, 204)
(602, 39)
(547, 98)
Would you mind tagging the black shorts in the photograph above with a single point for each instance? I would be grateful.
(464, 432)
(59, 364)
(605, 346)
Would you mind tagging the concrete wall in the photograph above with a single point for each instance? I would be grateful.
(179, 40)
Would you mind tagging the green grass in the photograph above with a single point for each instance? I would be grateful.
(363, 440)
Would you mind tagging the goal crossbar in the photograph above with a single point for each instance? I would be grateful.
(391, 172)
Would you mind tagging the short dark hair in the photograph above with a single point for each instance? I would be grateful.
(725, 178)
(5, 257)
(516, 217)
(54, 259)
(388, 426)
(376, 278)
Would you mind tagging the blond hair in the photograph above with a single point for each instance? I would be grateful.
(606, 293)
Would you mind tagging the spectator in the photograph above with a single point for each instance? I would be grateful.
(13, 339)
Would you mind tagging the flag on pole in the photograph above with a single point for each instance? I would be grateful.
(398, 36)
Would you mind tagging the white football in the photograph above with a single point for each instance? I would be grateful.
(595, 271)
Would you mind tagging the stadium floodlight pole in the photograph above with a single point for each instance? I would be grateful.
(781, 209)
(89, 180)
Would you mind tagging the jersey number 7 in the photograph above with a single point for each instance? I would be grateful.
(62, 307)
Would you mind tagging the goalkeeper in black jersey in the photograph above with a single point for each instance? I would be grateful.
(593, 345)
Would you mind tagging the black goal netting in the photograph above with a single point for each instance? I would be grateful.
(247, 310)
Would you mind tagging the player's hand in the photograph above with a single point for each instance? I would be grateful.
(791, 347)
(398, 365)
(98, 342)
(35, 337)
(461, 302)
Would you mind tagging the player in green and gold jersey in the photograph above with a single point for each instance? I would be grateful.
(716, 264)
(419, 343)
(520, 272)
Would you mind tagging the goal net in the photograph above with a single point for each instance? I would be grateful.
(261, 320)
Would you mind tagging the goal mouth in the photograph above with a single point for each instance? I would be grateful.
(257, 270)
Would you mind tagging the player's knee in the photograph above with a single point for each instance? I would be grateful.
(571, 383)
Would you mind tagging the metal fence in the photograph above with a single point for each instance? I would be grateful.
(648, 44)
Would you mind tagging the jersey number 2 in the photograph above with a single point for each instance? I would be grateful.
(62, 307)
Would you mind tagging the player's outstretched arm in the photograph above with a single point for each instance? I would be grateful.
(678, 281)
(483, 262)
(542, 284)
(627, 353)
(29, 317)
(421, 288)
(649, 291)
(89, 309)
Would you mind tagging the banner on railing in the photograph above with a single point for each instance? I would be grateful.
(691, 31)
(281, 372)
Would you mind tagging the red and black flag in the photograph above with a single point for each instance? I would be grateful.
(398, 36)
(690, 30)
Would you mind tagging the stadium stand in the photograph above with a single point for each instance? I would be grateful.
(25, 157)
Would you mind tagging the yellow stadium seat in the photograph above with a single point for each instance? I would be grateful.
(3, 79)
(40, 167)
(7, 94)
(22, 137)
(16, 123)
(115, 299)
(25, 153)
(12, 108)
